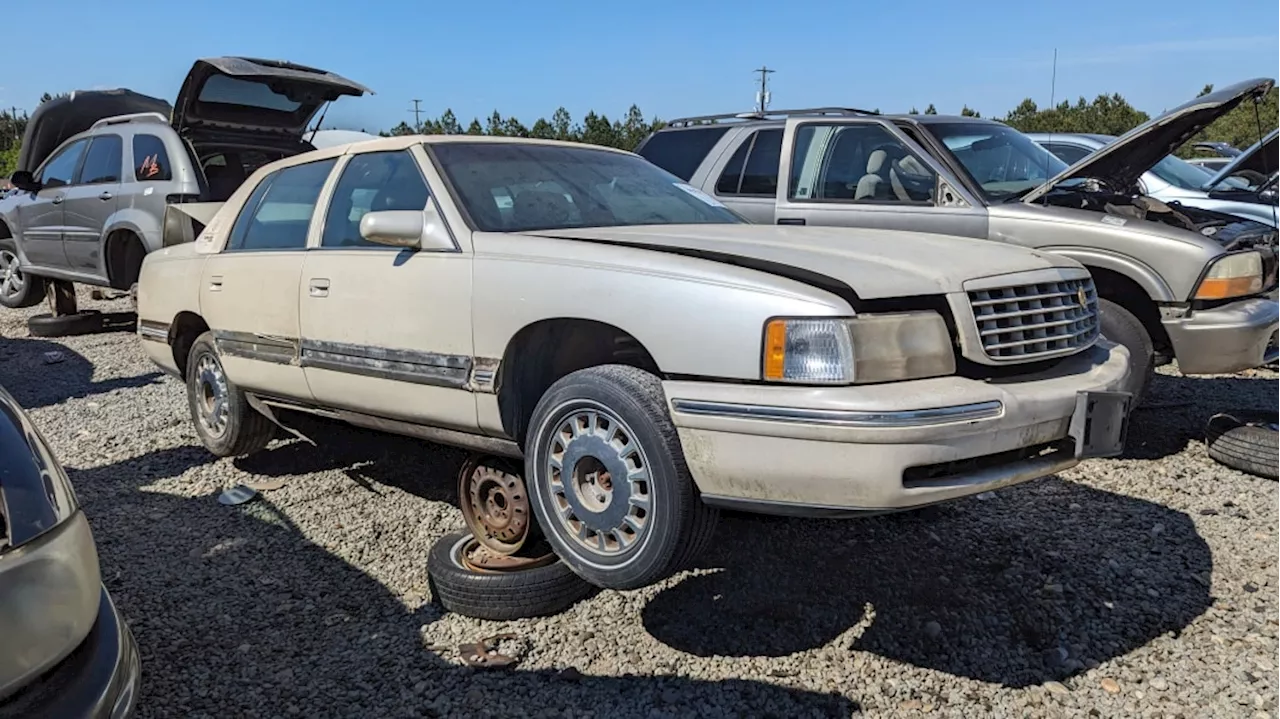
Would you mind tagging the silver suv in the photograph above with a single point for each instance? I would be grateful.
(95, 204)
(1174, 282)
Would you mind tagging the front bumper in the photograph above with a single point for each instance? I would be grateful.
(98, 680)
(813, 451)
(1226, 339)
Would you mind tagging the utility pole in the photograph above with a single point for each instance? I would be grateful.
(762, 97)
(417, 115)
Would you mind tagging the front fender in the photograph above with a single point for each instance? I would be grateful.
(1147, 278)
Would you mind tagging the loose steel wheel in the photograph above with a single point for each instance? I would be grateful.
(11, 279)
(212, 400)
(479, 558)
(599, 479)
(495, 504)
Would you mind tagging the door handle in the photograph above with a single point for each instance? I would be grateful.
(57, 199)
(105, 195)
(790, 220)
(319, 287)
(215, 283)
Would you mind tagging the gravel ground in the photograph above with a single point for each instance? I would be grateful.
(1142, 586)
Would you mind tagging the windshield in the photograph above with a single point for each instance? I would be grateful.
(517, 187)
(1002, 161)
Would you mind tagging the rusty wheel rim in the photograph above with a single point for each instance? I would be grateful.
(495, 506)
(478, 558)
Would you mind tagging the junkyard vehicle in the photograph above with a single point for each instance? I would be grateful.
(1190, 285)
(1251, 176)
(648, 353)
(66, 651)
(96, 183)
(1173, 180)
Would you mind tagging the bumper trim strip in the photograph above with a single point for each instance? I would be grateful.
(843, 417)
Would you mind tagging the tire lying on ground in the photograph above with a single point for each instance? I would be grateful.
(81, 323)
(1244, 440)
(515, 594)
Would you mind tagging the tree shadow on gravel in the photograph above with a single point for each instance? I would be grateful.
(237, 613)
(1178, 407)
(1034, 584)
(36, 380)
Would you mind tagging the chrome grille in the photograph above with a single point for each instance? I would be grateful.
(1035, 321)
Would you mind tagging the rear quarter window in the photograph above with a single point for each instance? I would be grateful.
(150, 159)
(680, 152)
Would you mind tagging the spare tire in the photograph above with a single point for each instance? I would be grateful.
(1245, 440)
(512, 594)
(81, 323)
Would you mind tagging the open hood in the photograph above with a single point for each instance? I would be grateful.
(1122, 162)
(55, 121)
(1260, 159)
(242, 94)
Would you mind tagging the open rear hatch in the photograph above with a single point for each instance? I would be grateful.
(224, 98)
(1119, 164)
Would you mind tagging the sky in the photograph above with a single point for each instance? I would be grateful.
(671, 59)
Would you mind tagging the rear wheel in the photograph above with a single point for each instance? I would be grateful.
(1119, 325)
(608, 481)
(226, 424)
(17, 289)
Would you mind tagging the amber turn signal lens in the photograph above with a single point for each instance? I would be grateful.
(775, 349)
(1214, 288)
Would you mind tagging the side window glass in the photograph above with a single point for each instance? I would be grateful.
(61, 168)
(150, 160)
(372, 182)
(1069, 154)
(760, 177)
(103, 161)
(278, 213)
(857, 163)
(731, 178)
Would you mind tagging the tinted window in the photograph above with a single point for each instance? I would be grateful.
(1069, 154)
(103, 161)
(857, 163)
(278, 213)
(731, 177)
(555, 187)
(150, 160)
(761, 174)
(61, 167)
(372, 182)
(681, 151)
(235, 91)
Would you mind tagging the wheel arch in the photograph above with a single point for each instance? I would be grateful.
(184, 330)
(122, 255)
(544, 351)
(1127, 293)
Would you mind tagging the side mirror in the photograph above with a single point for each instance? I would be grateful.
(25, 181)
(412, 229)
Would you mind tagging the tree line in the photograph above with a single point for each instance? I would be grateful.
(1105, 114)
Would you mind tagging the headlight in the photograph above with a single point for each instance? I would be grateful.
(864, 349)
(1235, 275)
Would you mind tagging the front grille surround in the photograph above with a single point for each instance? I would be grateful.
(1031, 319)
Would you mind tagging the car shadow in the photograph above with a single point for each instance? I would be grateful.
(1036, 583)
(314, 635)
(39, 373)
(1177, 408)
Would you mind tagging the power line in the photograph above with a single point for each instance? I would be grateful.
(762, 97)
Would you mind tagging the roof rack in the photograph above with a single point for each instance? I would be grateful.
(842, 111)
(135, 117)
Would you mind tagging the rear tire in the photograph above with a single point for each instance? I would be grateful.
(224, 421)
(608, 482)
(1245, 440)
(1119, 325)
(17, 289)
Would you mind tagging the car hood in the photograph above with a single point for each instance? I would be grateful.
(875, 264)
(260, 96)
(1260, 158)
(1122, 162)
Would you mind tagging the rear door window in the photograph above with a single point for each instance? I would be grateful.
(278, 213)
(680, 152)
(103, 161)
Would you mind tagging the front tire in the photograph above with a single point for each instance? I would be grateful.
(17, 289)
(1119, 325)
(608, 481)
(224, 421)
